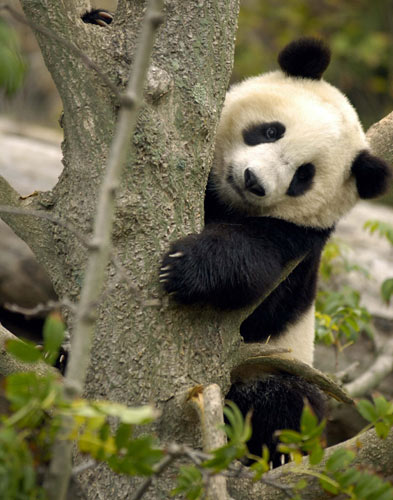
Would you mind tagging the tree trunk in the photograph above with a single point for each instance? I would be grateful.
(147, 349)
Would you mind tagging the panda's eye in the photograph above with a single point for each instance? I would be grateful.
(262, 133)
(271, 133)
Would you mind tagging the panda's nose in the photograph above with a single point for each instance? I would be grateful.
(252, 184)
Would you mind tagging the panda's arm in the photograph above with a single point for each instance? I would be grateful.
(232, 265)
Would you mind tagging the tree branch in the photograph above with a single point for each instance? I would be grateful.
(372, 452)
(67, 44)
(8, 195)
(57, 480)
(371, 378)
(208, 403)
(9, 365)
(270, 363)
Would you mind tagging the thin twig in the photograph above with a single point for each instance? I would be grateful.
(66, 43)
(287, 490)
(69, 226)
(5, 209)
(56, 482)
(39, 309)
(78, 469)
(158, 469)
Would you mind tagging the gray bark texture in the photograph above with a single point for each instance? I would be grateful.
(146, 348)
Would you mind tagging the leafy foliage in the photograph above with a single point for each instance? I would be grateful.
(238, 432)
(341, 478)
(18, 476)
(12, 67)
(308, 440)
(340, 318)
(338, 476)
(189, 483)
(53, 333)
(385, 230)
(379, 413)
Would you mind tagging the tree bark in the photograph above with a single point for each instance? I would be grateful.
(147, 349)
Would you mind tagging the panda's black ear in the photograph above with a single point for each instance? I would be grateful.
(372, 175)
(305, 57)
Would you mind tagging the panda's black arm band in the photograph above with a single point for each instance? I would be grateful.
(233, 265)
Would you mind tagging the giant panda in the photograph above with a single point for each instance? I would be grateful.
(291, 158)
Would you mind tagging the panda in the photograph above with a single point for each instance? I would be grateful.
(291, 158)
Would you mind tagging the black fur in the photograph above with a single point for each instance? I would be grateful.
(302, 180)
(277, 403)
(372, 175)
(236, 259)
(97, 16)
(233, 265)
(305, 57)
(233, 262)
(290, 300)
(263, 133)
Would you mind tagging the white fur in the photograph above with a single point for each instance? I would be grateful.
(299, 337)
(321, 128)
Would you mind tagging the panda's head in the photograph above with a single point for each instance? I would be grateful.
(290, 145)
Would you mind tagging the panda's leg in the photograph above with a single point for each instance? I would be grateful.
(276, 402)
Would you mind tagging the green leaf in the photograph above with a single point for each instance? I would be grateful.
(223, 456)
(123, 435)
(189, 483)
(23, 350)
(382, 429)
(53, 333)
(316, 455)
(288, 436)
(387, 290)
(340, 460)
(301, 484)
(136, 416)
(367, 410)
(383, 406)
(308, 420)
(329, 485)
(239, 429)
(259, 467)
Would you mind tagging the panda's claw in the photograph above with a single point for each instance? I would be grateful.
(102, 23)
(165, 268)
(164, 275)
(106, 15)
(176, 255)
(98, 17)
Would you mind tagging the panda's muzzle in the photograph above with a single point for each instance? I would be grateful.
(252, 184)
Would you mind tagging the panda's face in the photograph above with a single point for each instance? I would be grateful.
(285, 147)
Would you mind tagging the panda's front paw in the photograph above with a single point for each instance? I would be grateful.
(100, 17)
(177, 272)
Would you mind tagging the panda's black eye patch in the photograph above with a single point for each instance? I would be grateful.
(262, 133)
(302, 180)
